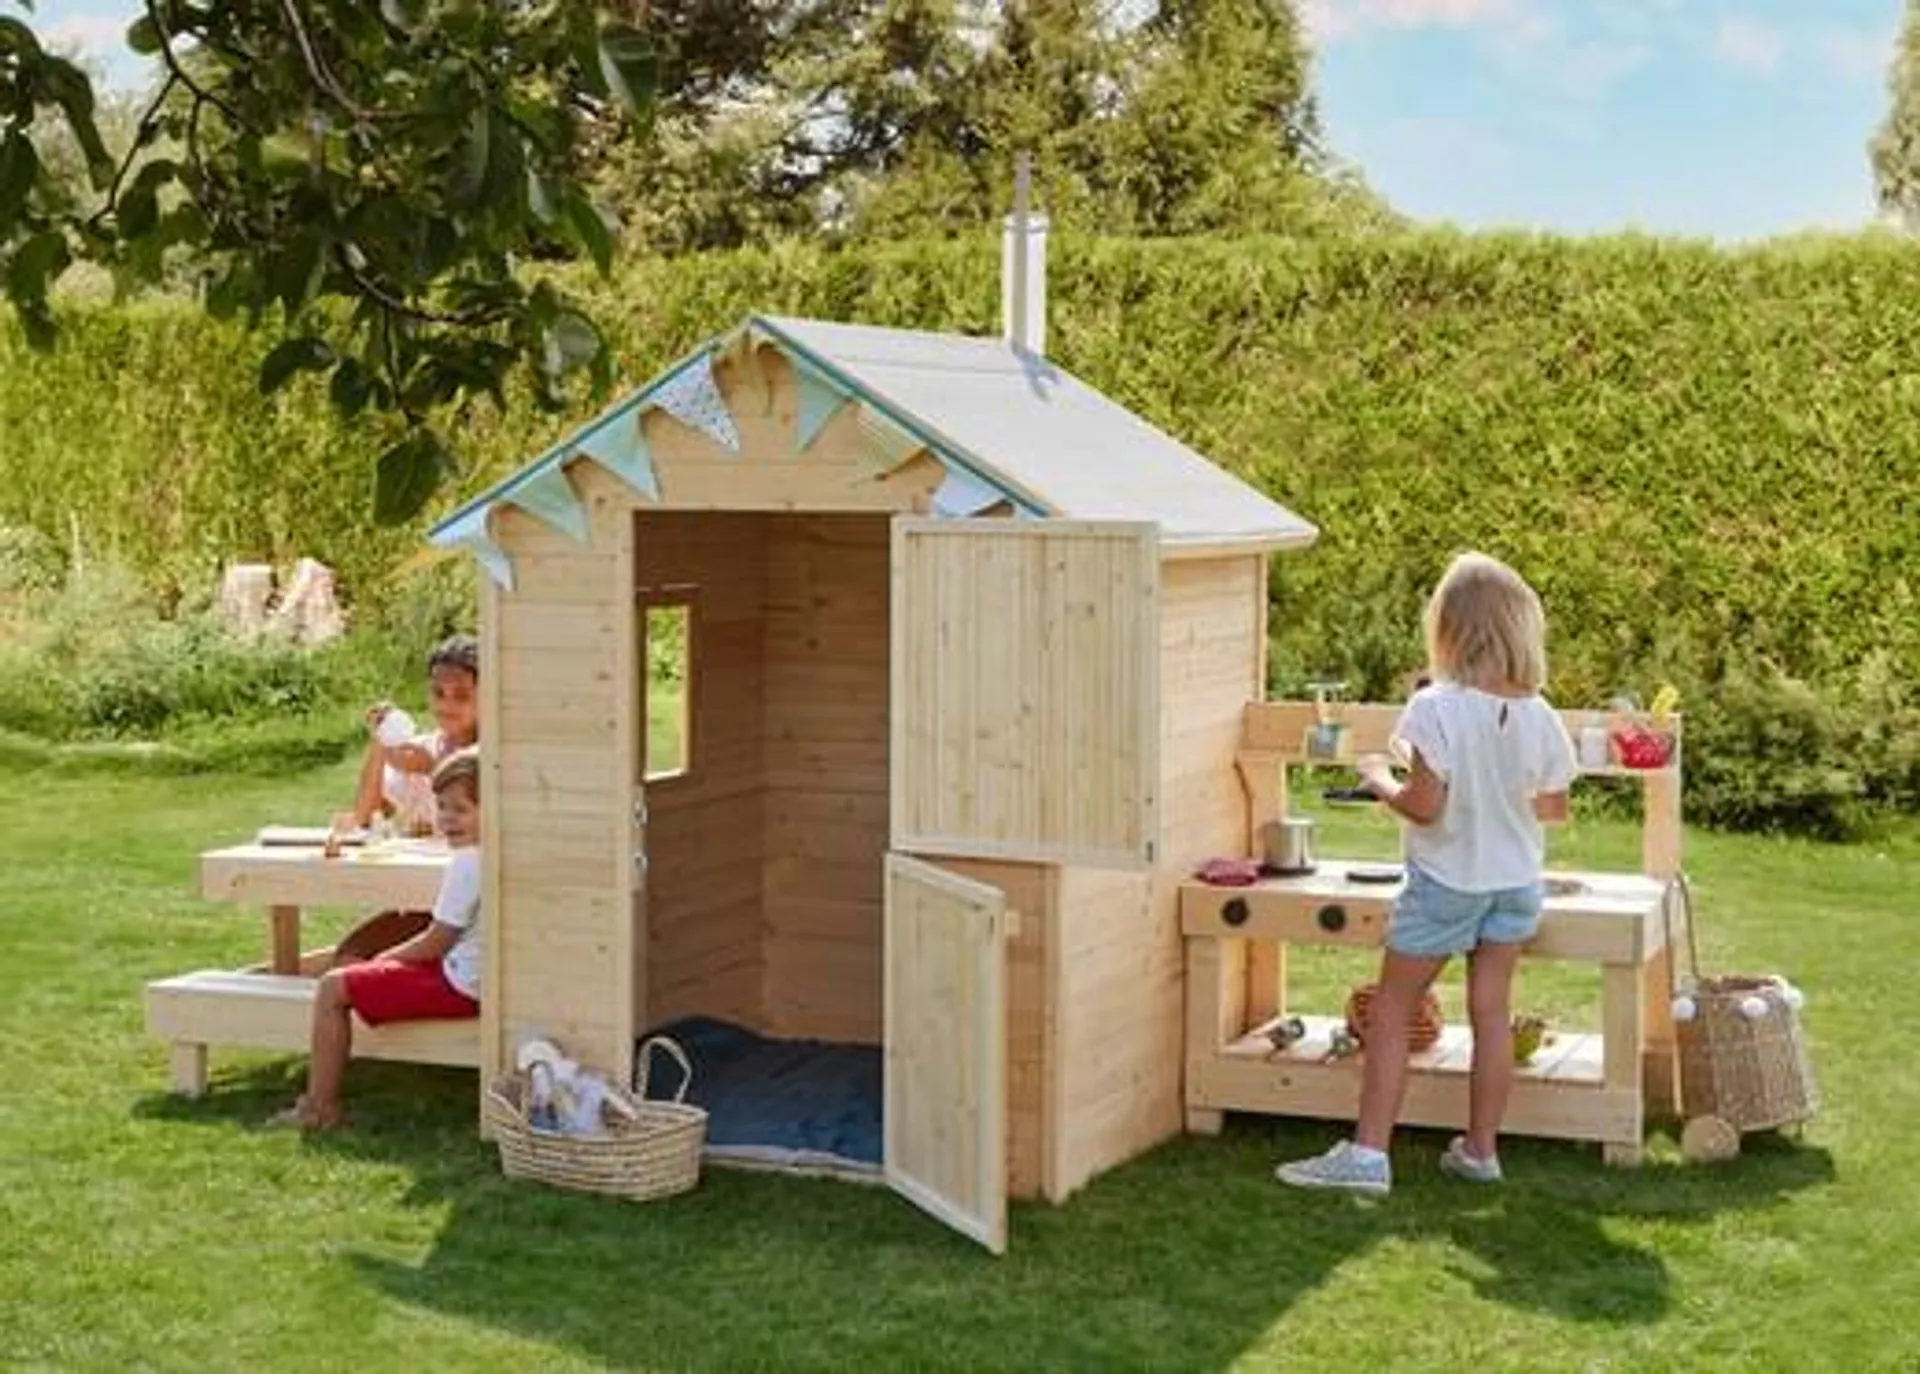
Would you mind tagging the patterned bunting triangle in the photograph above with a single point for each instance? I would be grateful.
(693, 398)
(887, 444)
(469, 532)
(548, 494)
(620, 446)
(963, 494)
(820, 400)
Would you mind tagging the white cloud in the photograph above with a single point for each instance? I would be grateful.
(1331, 21)
(94, 34)
(1749, 44)
(1855, 54)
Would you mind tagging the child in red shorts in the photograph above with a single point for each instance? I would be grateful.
(433, 976)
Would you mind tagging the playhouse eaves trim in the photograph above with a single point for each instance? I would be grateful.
(996, 417)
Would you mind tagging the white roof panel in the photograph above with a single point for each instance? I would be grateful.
(1047, 434)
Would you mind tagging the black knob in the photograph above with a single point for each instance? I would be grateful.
(1332, 918)
(1235, 912)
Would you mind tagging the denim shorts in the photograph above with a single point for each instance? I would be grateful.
(1431, 920)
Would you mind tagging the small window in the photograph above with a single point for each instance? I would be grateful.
(668, 628)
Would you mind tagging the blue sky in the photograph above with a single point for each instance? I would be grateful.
(1731, 118)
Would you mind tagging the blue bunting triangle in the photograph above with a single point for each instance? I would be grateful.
(620, 446)
(963, 494)
(693, 398)
(820, 400)
(547, 494)
(469, 532)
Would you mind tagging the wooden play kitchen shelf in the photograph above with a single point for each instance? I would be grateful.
(1598, 1087)
(270, 1006)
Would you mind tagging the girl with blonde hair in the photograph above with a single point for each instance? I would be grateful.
(1488, 760)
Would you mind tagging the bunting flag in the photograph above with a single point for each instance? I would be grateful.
(469, 532)
(887, 444)
(547, 494)
(620, 446)
(820, 400)
(962, 494)
(693, 398)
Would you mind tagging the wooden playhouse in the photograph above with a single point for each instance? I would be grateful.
(968, 649)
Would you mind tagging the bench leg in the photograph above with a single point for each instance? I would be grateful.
(286, 938)
(1205, 1121)
(189, 1070)
(1623, 1155)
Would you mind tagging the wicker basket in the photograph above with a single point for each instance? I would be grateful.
(1739, 1071)
(655, 1154)
(1423, 1032)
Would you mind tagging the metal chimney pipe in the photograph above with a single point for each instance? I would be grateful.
(1023, 267)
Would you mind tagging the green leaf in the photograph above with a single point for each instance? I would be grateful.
(34, 266)
(590, 228)
(407, 475)
(575, 338)
(19, 170)
(143, 36)
(628, 66)
(539, 196)
(351, 387)
(399, 14)
(139, 212)
(301, 354)
(293, 274)
(470, 174)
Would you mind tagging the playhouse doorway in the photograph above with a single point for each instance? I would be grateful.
(761, 806)
(863, 701)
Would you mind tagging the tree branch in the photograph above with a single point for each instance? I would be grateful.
(140, 134)
(398, 305)
(177, 73)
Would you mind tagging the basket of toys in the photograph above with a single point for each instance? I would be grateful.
(1742, 1053)
(561, 1125)
(1423, 1031)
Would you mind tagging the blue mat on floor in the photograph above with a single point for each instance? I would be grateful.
(809, 1097)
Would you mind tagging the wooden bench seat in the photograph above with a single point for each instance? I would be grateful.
(267, 1011)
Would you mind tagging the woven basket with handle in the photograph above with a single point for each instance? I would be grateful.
(653, 1154)
(1423, 1031)
(1749, 1071)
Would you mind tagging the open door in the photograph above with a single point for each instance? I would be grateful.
(1025, 693)
(945, 1099)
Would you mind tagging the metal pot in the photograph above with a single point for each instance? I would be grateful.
(1288, 844)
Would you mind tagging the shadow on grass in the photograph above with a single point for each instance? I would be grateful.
(1181, 1260)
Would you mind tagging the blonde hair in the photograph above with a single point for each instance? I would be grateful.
(461, 768)
(1486, 627)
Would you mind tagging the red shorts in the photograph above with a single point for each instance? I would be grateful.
(388, 990)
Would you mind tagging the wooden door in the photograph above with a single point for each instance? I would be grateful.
(1025, 690)
(945, 1100)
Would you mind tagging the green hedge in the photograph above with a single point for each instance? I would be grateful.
(1705, 459)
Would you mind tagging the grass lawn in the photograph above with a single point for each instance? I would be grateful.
(137, 1230)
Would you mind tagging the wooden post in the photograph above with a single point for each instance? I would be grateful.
(1660, 845)
(1620, 1024)
(1216, 1012)
(189, 1063)
(286, 938)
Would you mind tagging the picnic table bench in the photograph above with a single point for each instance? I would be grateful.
(269, 1006)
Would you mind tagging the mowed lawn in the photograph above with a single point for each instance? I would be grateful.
(141, 1231)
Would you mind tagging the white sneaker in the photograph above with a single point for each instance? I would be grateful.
(1464, 1164)
(1341, 1169)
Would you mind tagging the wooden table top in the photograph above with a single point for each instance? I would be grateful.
(395, 874)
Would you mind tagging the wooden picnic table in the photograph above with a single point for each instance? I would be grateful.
(269, 1006)
(393, 875)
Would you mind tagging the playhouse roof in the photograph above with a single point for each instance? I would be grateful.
(999, 418)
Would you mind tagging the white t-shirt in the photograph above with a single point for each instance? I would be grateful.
(1495, 754)
(457, 904)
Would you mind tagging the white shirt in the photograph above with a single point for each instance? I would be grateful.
(1495, 754)
(457, 904)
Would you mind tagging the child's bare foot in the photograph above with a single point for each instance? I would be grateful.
(304, 1116)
